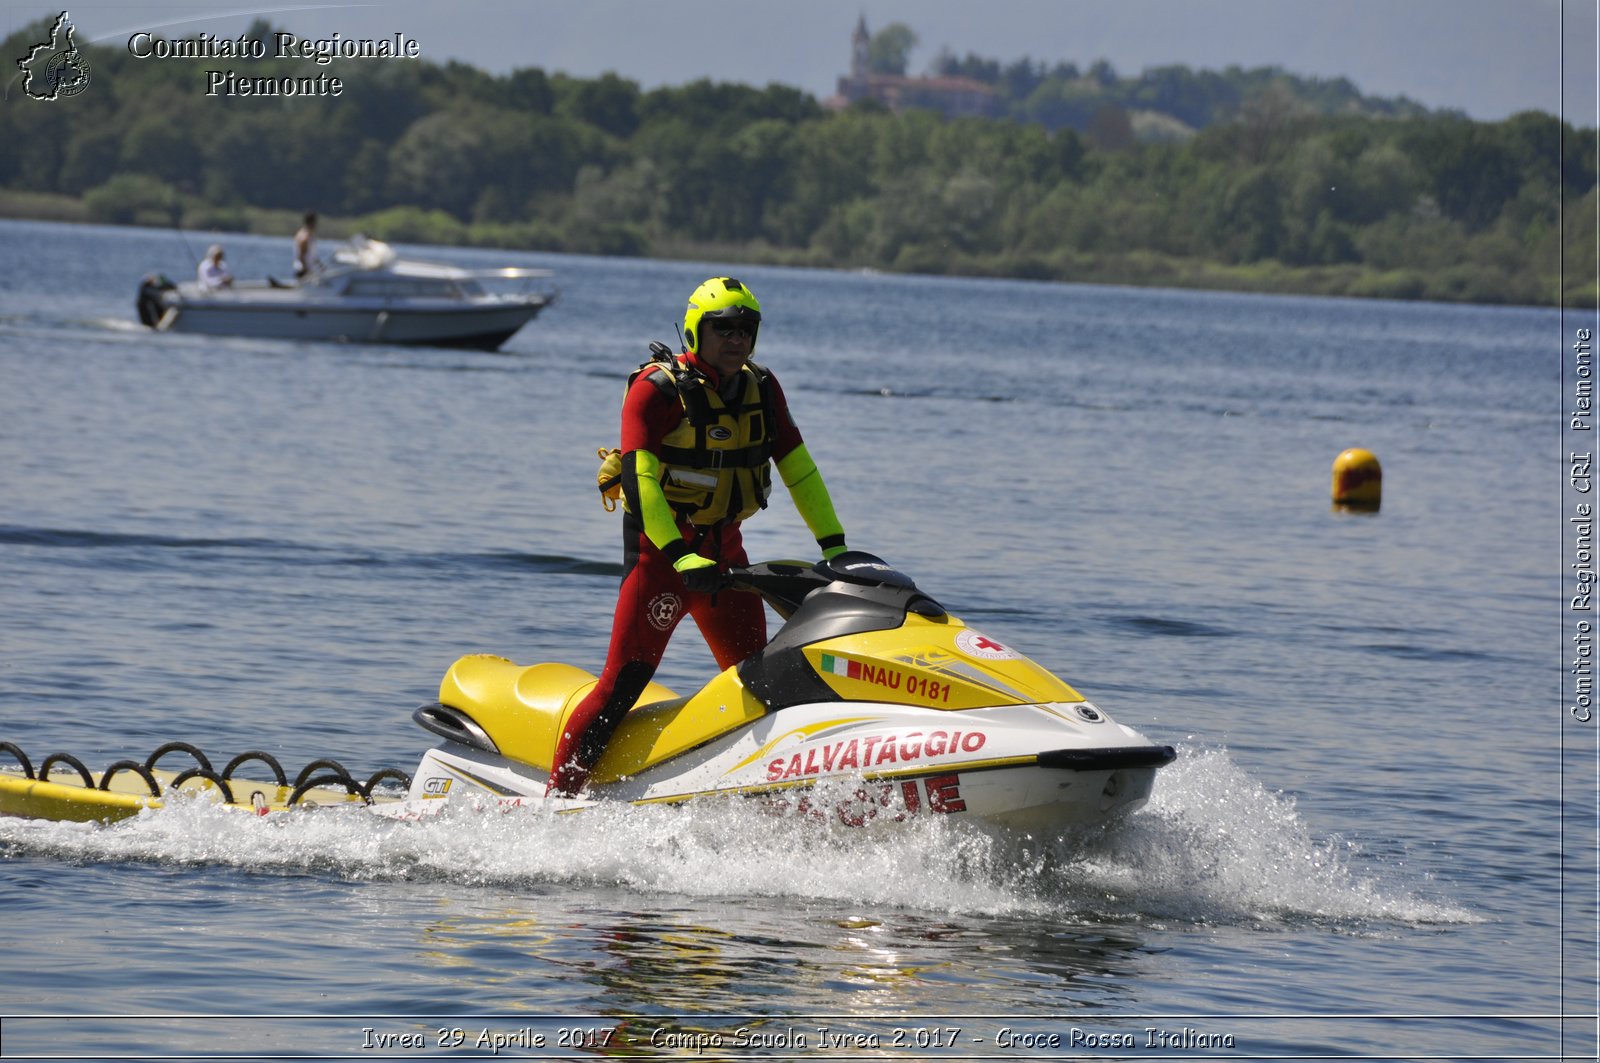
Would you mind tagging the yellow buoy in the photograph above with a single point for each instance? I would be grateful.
(1357, 479)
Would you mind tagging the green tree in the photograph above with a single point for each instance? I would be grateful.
(157, 146)
(382, 100)
(609, 103)
(1057, 104)
(365, 178)
(91, 159)
(261, 32)
(1383, 180)
(1579, 251)
(528, 89)
(438, 161)
(626, 195)
(133, 199)
(1110, 129)
(1471, 170)
(1246, 220)
(1021, 78)
(283, 158)
(889, 50)
(970, 66)
(832, 165)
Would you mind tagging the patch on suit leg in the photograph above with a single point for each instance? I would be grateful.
(664, 610)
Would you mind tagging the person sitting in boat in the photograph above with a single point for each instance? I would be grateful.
(305, 247)
(213, 272)
(699, 435)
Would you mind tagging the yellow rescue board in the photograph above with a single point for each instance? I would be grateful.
(64, 798)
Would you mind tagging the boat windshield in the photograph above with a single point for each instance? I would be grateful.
(391, 286)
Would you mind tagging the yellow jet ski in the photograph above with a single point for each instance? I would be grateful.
(871, 702)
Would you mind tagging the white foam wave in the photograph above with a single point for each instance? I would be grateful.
(1212, 846)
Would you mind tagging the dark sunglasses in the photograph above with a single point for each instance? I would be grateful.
(733, 328)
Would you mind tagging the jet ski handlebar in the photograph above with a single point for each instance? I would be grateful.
(786, 584)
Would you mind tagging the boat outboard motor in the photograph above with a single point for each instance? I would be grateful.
(149, 301)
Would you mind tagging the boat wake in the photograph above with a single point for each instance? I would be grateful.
(1213, 846)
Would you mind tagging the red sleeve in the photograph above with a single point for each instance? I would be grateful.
(648, 414)
(787, 436)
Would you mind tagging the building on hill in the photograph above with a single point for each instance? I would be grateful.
(953, 97)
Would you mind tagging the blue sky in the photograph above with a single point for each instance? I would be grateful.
(1489, 58)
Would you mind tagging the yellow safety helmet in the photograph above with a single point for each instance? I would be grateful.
(723, 298)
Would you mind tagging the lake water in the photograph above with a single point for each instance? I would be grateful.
(1378, 840)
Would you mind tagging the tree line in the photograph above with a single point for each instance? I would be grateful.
(1276, 197)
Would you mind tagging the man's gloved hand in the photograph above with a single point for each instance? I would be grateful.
(700, 574)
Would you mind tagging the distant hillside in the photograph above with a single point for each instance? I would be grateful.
(1162, 103)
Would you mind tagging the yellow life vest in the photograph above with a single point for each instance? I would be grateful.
(716, 464)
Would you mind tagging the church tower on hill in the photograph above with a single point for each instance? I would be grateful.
(953, 97)
(860, 51)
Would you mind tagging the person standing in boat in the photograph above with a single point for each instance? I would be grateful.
(699, 435)
(305, 247)
(213, 272)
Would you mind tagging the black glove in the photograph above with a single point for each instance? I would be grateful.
(700, 575)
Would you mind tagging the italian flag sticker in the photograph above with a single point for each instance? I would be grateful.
(839, 666)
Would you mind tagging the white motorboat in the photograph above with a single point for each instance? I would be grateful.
(369, 294)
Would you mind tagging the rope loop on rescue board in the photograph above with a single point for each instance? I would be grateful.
(332, 773)
(200, 758)
(70, 761)
(266, 758)
(209, 776)
(135, 767)
(22, 758)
